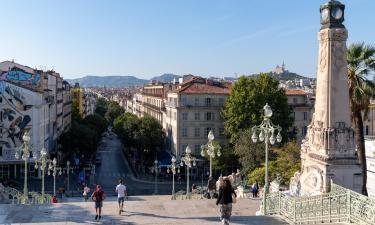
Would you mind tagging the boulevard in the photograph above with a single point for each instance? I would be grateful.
(114, 166)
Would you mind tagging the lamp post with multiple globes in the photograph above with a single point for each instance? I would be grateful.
(54, 169)
(25, 152)
(43, 160)
(172, 168)
(210, 149)
(266, 132)
(189, 161)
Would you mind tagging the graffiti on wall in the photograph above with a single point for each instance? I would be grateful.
(14, 118)
(17, 74)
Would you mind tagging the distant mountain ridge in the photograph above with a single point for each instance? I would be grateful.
(108, 81)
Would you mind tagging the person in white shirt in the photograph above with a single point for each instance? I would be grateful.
(121, 194)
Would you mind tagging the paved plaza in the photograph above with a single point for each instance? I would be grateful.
(138, 210)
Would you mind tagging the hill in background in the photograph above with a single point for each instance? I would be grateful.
(108, 81)
(166, 78)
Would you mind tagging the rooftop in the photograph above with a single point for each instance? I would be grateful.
(295, 92)
(199, 85)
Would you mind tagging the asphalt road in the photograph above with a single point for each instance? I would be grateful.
(113, 167)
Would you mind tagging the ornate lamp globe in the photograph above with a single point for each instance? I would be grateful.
(211, 136)
(173, 159)
(54, 161)
(188, 150)
(43, 152)
(254, 137)
(267, 111)
(68, 163)
(156, 161)
(26, 136)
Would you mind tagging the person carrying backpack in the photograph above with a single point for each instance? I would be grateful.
(98, 196)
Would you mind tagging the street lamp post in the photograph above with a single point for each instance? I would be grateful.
(25, 152)
(267, 132)
(210, 149)
(156, 170)
(53, 167)
(189, 161)
(68, 171)
(43, 164)
(172, 168)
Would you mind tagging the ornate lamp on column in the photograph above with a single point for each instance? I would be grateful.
(25, 152)
(210, 149)
(55, 169)
(43, 160)
(267, 134)
(172, 168)
(189, 161)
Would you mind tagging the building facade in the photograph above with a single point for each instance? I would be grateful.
(30, 99)
(67, 106)
(303, 109)
(192, 110)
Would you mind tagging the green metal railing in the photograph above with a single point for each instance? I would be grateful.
(339, 205)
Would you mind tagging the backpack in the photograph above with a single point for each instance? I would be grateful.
(98, 195)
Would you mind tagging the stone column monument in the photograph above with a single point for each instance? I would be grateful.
(328, 151)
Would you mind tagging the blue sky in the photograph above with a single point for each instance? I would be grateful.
(151, 37)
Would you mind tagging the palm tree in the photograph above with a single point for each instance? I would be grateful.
(361, 62)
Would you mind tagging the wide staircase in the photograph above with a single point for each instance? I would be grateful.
(340, 205)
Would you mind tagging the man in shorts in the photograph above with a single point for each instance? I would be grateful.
(121, 194)
(98, 196)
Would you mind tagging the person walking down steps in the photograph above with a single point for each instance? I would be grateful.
(98, 197)
(225, 200)
(121, 194)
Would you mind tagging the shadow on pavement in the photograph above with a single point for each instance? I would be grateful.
(58, 214)
(245, 220)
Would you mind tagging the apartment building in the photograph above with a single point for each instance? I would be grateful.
(85, 100)
(30, 99)
(153, 100)
(303, 110)
(67, 106)
(192, 110)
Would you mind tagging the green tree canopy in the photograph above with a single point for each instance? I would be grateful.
(126, 127)
(97, 122)
(286, 163)
(244, 106)
(101, 106)
(114, 111)
(250, 155)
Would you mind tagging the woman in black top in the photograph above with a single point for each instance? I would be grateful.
(225, 200)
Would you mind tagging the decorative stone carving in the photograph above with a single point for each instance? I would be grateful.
(295, 184)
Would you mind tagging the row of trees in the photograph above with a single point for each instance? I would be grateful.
(143, 136)
(85, 133)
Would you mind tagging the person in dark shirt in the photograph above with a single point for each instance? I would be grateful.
(225, 200)
(98, 196)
